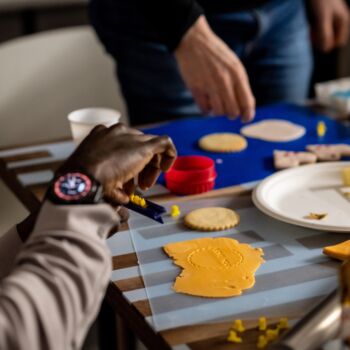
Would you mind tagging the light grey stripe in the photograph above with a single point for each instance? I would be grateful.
(181, 347)
(323, 240)
(234, 306)
(136, 295)
(266, 282)
(178, 228)
(276, 251)
(282, 310)
(128, 272)
(162, 230)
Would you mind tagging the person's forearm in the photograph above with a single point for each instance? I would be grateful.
(10, 245)
(53, 293)
(171, 18)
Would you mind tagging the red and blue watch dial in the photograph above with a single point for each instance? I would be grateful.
(72, 186)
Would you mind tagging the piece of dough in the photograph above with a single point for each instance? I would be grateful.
(339, 251)
(288, 159)
(223, 142)
(274, 130)
(214, 267)
(325, 153)
(211, 219)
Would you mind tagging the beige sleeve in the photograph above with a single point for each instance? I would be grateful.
(54, 291)
(10, 245)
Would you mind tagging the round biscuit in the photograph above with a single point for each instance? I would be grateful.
(211, 219)
(223, 142)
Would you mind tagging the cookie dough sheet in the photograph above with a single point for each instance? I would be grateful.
(293, 278)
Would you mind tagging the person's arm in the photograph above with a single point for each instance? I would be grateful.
(210, 69)
(214, 74)
(10, 245)
(59, 278)
(171, 18)
(54, 292)
(330, 23)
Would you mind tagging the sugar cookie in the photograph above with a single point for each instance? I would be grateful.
(325, 153)
(211, 219)
(288, 159)
(223, 142)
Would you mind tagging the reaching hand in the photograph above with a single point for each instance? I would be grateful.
(332, 23)
(117, 155)
(214, 74)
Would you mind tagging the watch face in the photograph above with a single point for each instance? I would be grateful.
(72, 186)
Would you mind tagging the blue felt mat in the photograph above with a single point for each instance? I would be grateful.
(255, 162)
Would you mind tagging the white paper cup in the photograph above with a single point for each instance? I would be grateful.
(82, 121)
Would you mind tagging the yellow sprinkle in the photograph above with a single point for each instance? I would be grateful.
(238, 326)
(132, 196)
(175, 211)
(262, 324)
(346, 176)
(143, 203)
(262, 342)
(234, 338)
(316, 216)
(321, 129)
(272, 334)
(283, 324)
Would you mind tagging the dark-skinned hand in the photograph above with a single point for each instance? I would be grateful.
(118, 157)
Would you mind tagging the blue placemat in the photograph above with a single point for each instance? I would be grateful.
(255, 162)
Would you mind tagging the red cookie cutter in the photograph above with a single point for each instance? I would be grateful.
(191, 175)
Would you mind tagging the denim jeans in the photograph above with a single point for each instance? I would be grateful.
(272, 41)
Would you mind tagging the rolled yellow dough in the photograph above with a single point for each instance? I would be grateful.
(214, 267)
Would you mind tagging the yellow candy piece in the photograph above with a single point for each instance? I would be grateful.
(272, 334)
(346, 176)
(262, 342)
(234, 338)
(238, 326)
(316, 216)
(283, 324)
(339, 251)
(321, 129)
(262, 324)
(175, 211)
(138, 200)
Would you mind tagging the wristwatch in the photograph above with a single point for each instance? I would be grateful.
(75, 188)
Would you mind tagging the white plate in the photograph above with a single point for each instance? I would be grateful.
(290, 195)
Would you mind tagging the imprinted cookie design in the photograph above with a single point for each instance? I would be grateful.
(214, 267)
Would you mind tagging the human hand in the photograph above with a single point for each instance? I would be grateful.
(332, 23)
(117, 155)
(214, 74)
